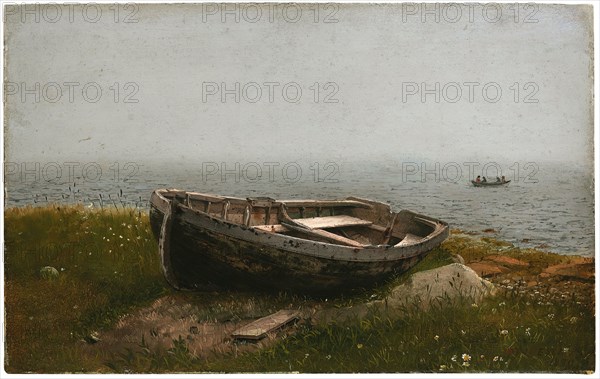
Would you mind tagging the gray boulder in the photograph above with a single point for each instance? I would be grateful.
(443, 285)
(49, 273)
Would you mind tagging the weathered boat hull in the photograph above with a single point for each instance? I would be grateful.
(201, 251)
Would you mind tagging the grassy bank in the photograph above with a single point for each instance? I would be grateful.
(108, 267)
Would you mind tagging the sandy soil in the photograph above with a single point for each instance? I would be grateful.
(170, 318)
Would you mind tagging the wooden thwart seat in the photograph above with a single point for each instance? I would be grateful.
(335, 238)
(314, 226)
(278, 228)
(331, 222)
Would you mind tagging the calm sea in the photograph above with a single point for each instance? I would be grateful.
(545, 205)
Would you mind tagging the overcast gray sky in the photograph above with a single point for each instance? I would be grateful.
(392, 81)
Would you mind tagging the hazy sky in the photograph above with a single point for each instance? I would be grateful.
(376, 81)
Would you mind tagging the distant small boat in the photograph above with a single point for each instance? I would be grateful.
(486, 184)
(304, 246)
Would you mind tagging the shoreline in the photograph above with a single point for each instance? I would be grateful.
(487, 233)
(528, 271)
(524, 244)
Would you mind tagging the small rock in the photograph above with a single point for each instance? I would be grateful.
(194, 329)
(92, 338)
(582, 269)
(487, 269)
(581, 260)
(507, 261)
(49, 273)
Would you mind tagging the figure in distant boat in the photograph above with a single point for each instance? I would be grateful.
(484, 180)
(478, 180)
(498, 180)
(503, 179)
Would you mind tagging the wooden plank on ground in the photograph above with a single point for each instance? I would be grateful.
(258, 329)
(331, 222)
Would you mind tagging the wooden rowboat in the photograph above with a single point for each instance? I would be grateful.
(486, 184)
(302, 246)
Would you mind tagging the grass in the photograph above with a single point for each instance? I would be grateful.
(543, 339)
(108, 267)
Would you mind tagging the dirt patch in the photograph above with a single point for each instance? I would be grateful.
(169, 319)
